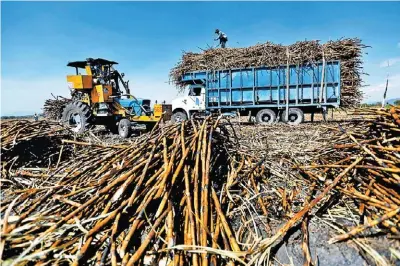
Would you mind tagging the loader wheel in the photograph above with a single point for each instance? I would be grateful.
(124, 128)
(266, 117)
(296, 116)
(76, 116)
(178, 117)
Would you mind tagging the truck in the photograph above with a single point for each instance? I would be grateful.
(268, 94)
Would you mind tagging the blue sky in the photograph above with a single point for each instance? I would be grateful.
(147, 39)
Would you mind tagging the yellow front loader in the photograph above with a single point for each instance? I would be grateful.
(98, 100)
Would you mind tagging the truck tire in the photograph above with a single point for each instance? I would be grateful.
(124, 128)
(76, 116)
(296, 116)
(178, 117)
(265, 117)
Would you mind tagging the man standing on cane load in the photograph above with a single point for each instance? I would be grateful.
(221, 37)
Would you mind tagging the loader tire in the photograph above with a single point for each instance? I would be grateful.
(124, 128)
(266, 117)
(178, 117)
(296, 116)
(76, 116)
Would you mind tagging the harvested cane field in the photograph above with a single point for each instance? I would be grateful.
(348, 51)
(204, 192)
(53, 108)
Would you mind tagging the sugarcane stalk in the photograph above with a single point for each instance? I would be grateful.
(190, 212)
(266, 243)
(361, 228)
(136, 256)
(234, 245)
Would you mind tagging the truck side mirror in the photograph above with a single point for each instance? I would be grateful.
(122, 74)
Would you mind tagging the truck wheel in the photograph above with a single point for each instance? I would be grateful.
(124, 128)
(76, 116)
(178, 117)
(266, 117)
(296, 116)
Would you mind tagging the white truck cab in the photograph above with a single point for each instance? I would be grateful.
(195, 102)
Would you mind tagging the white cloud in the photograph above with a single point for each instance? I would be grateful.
(27, 96)
(153, 88)
(375, 92)
(152, 82)
(391, 61)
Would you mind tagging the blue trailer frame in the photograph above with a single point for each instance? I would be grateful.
(265, 87)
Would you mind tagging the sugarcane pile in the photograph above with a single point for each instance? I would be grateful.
(348, 51)
(135, 203)
(27, 144)
(17, 131)
(350, 181)
(27, 141)
(53, 107)
(362, 165)
(192, 194)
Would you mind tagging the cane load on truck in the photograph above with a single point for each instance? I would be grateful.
(270, 81)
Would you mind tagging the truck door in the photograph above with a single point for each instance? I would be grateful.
(197, 98)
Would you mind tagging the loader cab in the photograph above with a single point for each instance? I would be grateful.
(100, 78)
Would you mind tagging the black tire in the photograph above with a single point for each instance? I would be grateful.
(296, 116)
(178, 117)
(266, 117)
(76, 116)
(124, 128)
